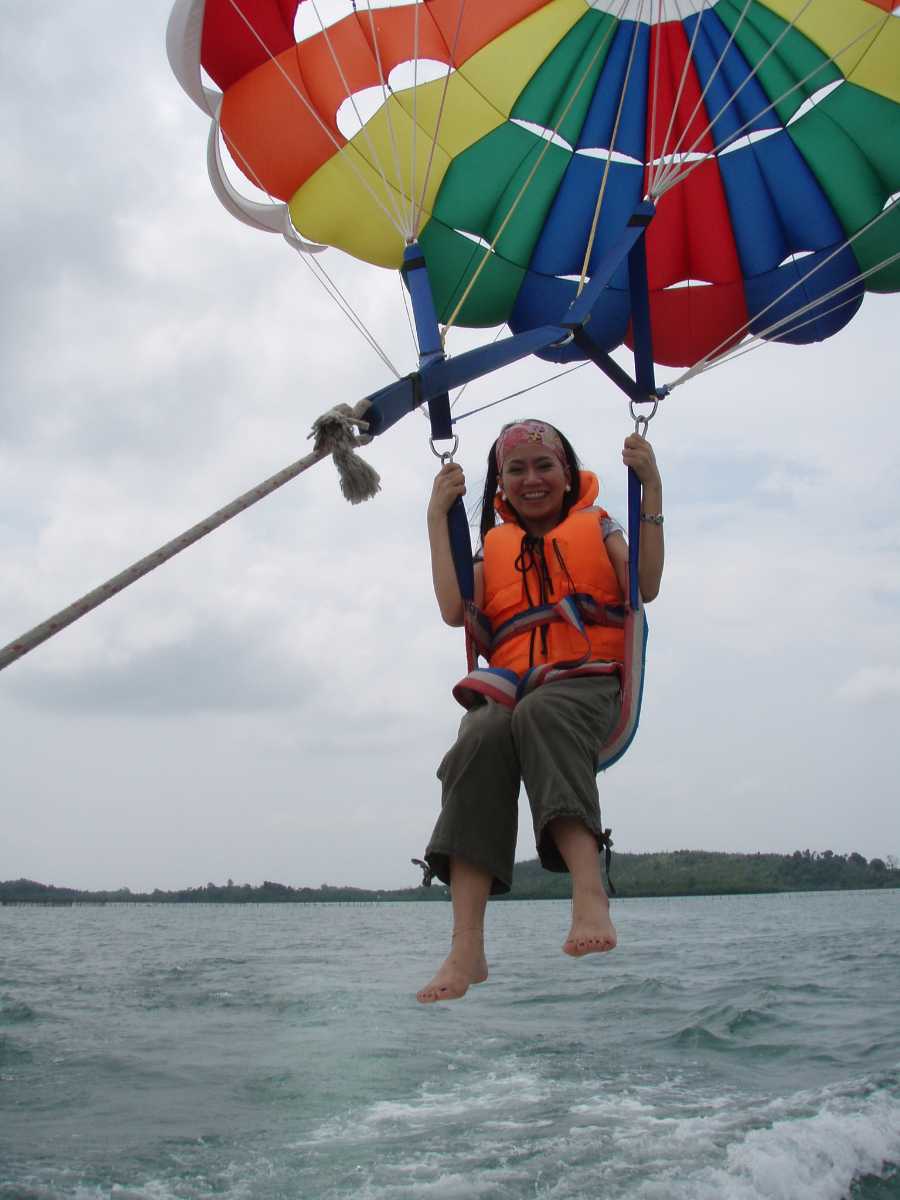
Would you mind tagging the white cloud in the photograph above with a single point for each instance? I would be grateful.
(871, 685)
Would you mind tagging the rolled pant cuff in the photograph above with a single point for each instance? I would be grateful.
(438, 858)
(548, 853)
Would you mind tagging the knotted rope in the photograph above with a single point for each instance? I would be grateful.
(334, 433)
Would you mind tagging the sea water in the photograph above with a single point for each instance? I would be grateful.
(731, 1048)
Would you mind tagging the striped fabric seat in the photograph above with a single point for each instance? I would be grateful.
(508, 688)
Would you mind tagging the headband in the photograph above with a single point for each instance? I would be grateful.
(524, 433)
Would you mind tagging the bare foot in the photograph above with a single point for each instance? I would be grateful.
(463, 966)
(592, 930)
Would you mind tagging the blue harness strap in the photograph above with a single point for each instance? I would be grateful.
(431, 352)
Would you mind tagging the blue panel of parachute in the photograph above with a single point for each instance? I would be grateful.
(822, 272)
(560, 248)
(776, 204)
(597, 130)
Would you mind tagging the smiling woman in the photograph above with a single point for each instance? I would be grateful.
(558, 700)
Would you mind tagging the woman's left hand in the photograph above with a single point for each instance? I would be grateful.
(637, 453)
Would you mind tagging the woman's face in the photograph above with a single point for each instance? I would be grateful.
(534, 481)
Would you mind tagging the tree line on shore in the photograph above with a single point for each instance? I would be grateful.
(669, 873)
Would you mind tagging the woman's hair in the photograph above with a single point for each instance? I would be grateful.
(488, 512)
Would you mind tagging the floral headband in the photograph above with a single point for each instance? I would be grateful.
(524, 433)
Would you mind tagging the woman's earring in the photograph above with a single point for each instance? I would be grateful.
(503, 495)
(568, 487)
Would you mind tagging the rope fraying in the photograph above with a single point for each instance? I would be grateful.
(339, 432)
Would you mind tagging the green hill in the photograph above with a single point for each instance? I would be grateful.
(669, 873)
(706, 872)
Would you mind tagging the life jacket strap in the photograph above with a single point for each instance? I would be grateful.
(577, 611)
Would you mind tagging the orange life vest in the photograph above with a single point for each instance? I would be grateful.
(570, 559)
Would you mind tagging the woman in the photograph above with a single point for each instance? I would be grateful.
(553, 542)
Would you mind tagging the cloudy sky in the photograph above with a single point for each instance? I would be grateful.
(273, 703)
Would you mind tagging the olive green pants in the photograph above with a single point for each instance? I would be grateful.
(549, 742)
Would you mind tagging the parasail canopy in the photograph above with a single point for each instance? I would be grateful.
(513, 140)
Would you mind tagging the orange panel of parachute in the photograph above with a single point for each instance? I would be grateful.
(281, 98)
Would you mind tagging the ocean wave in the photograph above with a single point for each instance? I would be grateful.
(11, 1053)
(631, 990)
(761, 1028)
(15, 1012)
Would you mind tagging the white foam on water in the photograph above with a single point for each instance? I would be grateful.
(800, 1156)
(432, 1107)
(514, 1125)
(662, 1140)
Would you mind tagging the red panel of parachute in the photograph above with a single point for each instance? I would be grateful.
(690, 237)
(230, 47)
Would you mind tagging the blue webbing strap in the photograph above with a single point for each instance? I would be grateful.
(461, 548)
(438, 375)
(646, 384)
(428, 334)
(634, 537)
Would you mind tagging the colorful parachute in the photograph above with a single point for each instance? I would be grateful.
(768, 134)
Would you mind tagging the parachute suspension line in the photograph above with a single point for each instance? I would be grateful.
(700, 366)
(681, 172)
(317, 269)
(655, 101)
(489, 250)
(320, 273)
(415, 126)
(835, 291)
(386, 93)
(363, 125)
(589, 248)
(790, 318)
(412, 332)
(676, 171)
(721, 353)
(521, 392)
(333, 291)
(334, 434)
(460, 393)
(659, 161)
(754, 343)
(346, 159)
(420, 207)
(713, 76)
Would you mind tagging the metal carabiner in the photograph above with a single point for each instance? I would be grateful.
(446, 456)
(641, 423)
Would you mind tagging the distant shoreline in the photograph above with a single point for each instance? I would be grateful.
(671, 873)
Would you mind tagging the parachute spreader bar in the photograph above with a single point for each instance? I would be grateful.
(438, 375)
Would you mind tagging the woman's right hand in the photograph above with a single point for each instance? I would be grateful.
(449, 485)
